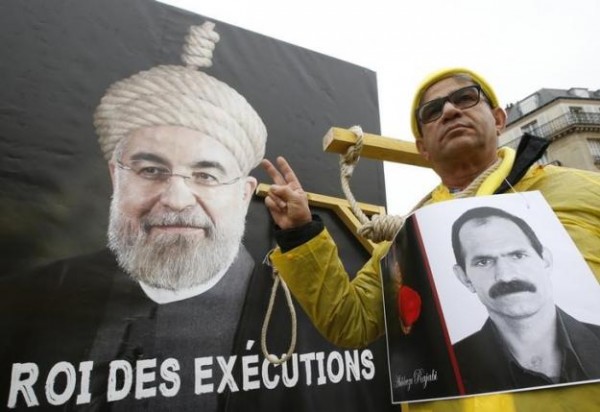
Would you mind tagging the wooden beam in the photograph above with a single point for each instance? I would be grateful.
(352, 223)
(342, 209)
(337, 140)
(328, 202)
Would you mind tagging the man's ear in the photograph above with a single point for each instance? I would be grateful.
(463, 278)
(421, 148)
(500, 119)
(250, 184)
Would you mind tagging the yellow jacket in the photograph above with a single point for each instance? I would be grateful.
(350, 314)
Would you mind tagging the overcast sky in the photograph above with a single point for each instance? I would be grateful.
(520, 46)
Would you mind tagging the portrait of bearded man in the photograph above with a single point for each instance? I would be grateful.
(171, 285)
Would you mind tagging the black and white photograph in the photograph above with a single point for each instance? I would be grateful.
(488, 295)
(521, 306)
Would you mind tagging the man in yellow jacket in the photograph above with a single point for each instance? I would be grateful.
(456, 120)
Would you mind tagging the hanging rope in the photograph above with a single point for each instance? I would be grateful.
(263, 335)
(385, 227)
(379, 227)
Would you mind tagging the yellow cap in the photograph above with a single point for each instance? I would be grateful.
(444, 74)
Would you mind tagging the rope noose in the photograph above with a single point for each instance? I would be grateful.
(263, 334)
(379, 227)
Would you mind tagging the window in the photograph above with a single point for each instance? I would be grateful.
(577, 114)
(594, 145)
(530, 127)
(579, 92)
(529, 104)
(576, 109)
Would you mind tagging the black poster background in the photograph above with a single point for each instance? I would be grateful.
(57, 59)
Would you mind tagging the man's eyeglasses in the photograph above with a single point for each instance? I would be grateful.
(152, 174)
(463, 98)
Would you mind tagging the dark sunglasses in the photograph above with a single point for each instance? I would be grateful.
(461, 99)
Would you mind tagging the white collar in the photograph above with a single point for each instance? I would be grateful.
(163, 296)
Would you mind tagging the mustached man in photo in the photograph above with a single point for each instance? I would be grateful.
(527, 340)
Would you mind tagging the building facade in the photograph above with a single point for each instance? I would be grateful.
(570, 119)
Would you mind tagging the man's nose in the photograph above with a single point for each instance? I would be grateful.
(177, 195)
(449, 111)
(504, 270)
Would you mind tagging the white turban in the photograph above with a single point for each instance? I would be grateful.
(183, 96)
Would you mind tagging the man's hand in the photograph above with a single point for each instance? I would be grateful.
(286, 201)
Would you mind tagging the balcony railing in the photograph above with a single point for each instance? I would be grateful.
(565, 122)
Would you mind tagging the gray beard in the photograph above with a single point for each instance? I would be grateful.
(174, 261)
